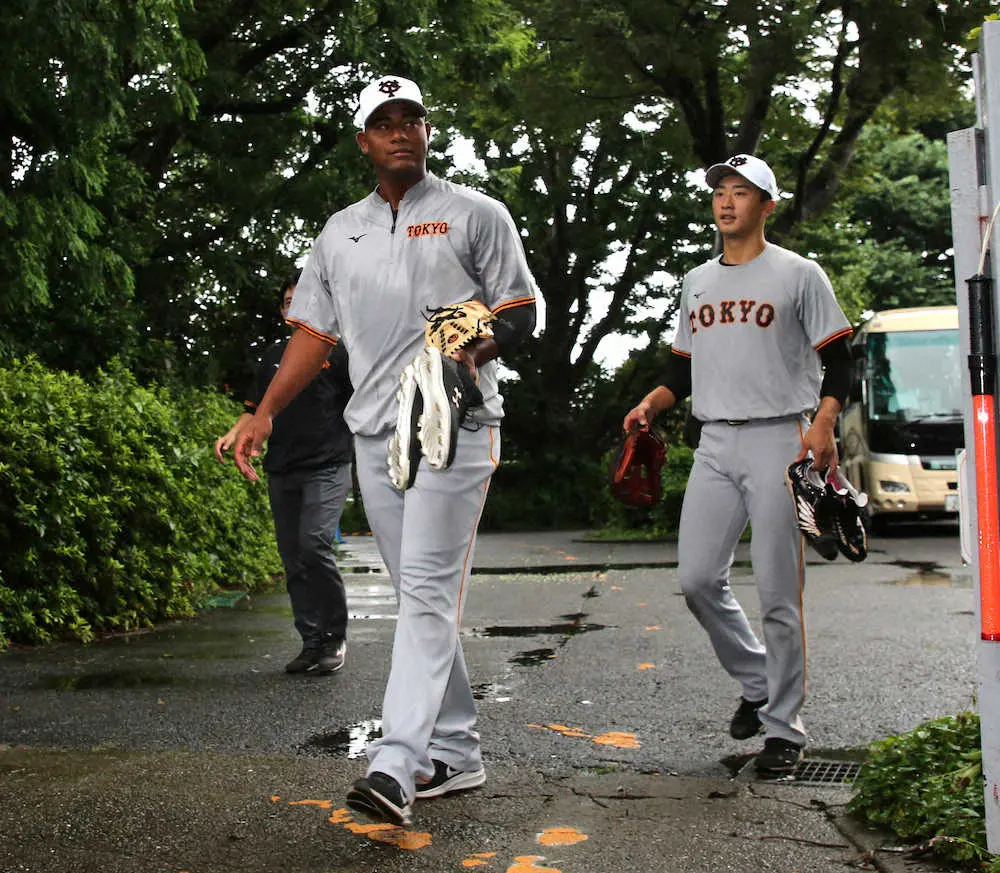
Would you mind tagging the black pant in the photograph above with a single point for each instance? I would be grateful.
(306, 508)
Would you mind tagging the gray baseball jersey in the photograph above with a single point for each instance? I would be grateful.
(752, 332)
(372, 276)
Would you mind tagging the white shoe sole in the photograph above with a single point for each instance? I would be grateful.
(436, 428)
(459, 782)
(400, 449)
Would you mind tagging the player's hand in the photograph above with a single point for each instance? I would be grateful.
(465, 356)
(223, 444)
(249, 444)
(641, 416)
(820, 441)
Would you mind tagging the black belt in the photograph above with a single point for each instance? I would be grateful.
(737, 422)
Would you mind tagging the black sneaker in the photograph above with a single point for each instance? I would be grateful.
(813, 509)
(746, 721)
(305, 661)
(331, 657)
(779, 757)
(380, 797)
(449, 392)
(404, 446)
(447, 779)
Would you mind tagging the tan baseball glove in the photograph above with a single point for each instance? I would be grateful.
(452, 327)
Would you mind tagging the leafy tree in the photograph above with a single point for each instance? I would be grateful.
(592, 130)
(65, 77)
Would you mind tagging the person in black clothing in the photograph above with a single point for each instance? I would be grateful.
(308, 463)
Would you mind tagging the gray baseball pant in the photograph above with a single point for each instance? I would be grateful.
(426, 536)
(739, 476)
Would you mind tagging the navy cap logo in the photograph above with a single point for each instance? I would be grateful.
(389, 86)
(738, 161)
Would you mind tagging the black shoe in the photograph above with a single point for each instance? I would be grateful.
(780, 756)
(305, 661)
(746, 721)
(449, 392)
(447, 780)
(848, 506)
(380, 797)
(331, 657)
(813, 508)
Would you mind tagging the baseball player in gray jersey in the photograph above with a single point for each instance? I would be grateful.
(378, 268)
(762, 348)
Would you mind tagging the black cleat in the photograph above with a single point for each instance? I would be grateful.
(847, 505)
(779, 757)
(380, 797)
(746, 721)
(813, 509)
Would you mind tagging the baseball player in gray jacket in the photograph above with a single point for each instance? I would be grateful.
(757, 328)
(414, 245)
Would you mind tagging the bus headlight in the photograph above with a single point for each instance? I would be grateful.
(890, 487)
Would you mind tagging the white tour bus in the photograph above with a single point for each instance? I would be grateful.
(902, 425)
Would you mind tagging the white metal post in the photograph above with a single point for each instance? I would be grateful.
(974, 172)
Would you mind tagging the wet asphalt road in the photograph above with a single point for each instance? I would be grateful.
(186, 749)
(891, 642)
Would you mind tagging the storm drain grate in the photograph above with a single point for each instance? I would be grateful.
(826, 772)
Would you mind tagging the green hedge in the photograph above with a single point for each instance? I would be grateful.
(113, 512)
(660, 521)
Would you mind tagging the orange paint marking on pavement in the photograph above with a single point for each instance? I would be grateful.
(275, 798)
(560, 837)
(479, 859)
(391, 835)
(618, 739)
(646, 666)
(526, 864)
(612, 738)
(341, 816)
(322, 804)
(640, 604)
(653, 627)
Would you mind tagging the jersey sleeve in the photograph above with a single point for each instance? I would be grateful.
(821, 315)
(499, 260)
(682, 337)
(312, 307)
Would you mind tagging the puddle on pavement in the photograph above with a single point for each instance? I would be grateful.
(116, 680)
(533, 657)
(928, 574)
(571, 625)
(490, 691)
(349, 742)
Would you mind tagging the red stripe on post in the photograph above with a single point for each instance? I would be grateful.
(984, 427)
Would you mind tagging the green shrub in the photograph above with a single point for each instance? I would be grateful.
(927, 785)
(113, 512)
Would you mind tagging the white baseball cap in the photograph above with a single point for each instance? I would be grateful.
(385, 90)
(751, 168)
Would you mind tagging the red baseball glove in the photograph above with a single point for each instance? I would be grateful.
(634, 476)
